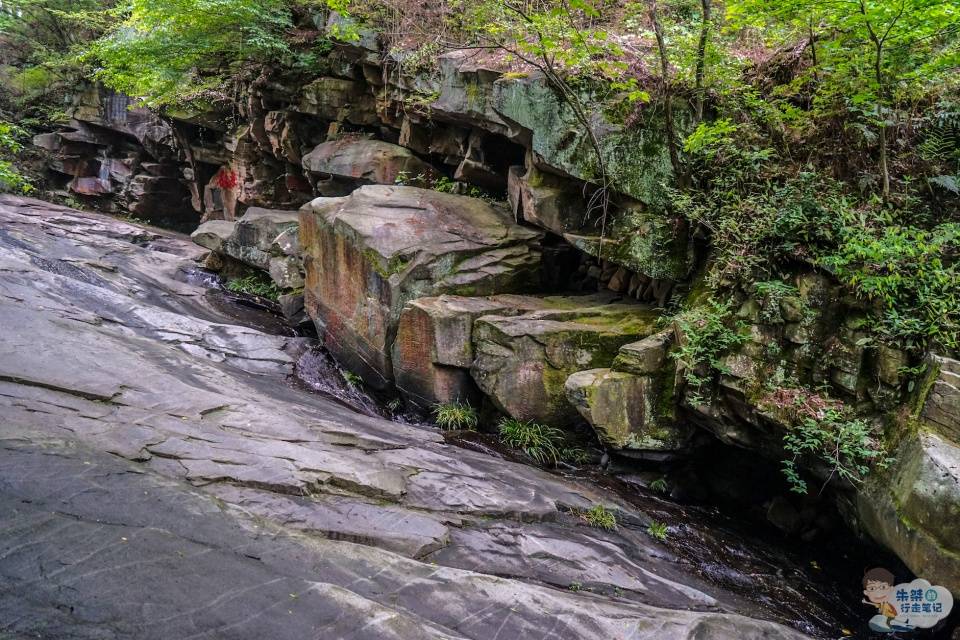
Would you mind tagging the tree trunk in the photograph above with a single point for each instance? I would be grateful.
(884, 170)
(700, 90)
(667, 96)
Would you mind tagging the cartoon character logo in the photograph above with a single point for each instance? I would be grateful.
(904, 607)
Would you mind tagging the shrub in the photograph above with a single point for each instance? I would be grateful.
(659, 485)
(846, 445)
(601, 517)
(538, 441)
(455, 415)
(10, 178)
(911, 275)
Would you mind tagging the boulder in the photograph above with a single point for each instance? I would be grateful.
(522, 363)
(265, 239)
(545, 200)
(433, 349)
(622, 408)
(366, 255)
(213, 234)
(366, 161)
(252, 241)
(645, 357)
(914, 506)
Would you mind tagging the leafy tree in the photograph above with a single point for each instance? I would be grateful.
(166, 52)
(872, 52)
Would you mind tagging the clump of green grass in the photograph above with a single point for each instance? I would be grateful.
(538, 441)
(455, 415)
(659, 485)
(574, 455)
(351, 378)
(600, 517)
(657, 530)
(256, 284)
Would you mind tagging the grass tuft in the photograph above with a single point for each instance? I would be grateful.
(600, 517)
(657, 530)
(538, 441)
(256, 284)
(455, 415)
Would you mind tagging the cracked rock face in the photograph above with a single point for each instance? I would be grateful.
(367, 254)
(160, 478)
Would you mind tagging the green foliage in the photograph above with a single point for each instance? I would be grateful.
(846, 445)
(601, 517)
(540, 442)
(256, 283)
(709, 332)
(455, 415)
(166, 52)
(659, 485)
(10, 178)
(911, 275)
(770, 294)
(352, 379)
(658, 530)
(574, 455)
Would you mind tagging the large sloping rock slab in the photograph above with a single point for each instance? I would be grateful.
(366, 161)
(523, 362)
(433, 350)
(367, 254)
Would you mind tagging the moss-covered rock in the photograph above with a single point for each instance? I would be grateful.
(642, 240)
(522, 362)
(623, 409)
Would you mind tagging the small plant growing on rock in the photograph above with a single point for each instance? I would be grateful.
(659, 485)
(601, 517)
(574, 455)
(657, 530)
(538, 441)
(255, 284)
(455, 415)
(575, 586)
(351, 378)
(823, 429)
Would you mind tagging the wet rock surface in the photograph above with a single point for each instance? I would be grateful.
(161, 476)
